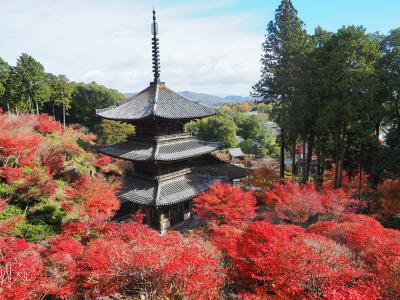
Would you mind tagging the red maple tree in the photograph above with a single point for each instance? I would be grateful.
(95, 196)
(304, 204)
(225, 204)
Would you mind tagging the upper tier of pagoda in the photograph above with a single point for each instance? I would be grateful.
(157, 101)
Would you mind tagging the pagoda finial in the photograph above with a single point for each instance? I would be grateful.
(155, 48)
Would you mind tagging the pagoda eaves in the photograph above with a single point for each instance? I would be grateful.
(157, 101)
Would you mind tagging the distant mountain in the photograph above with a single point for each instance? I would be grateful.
(127, 95)
(209, 99)
(213, 99)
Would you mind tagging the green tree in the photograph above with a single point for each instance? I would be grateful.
(250, 128)
(348, 86)
(111, 132)
(283, 59)
(61, 95)
(220, 128)
(4, 73)
(390, 94)
(86, 98)
(29, 85)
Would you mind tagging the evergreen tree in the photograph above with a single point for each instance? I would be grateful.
(282, 80)
(347, 89)
(86, 98)
(61, 96)
(390, 93)
(4, 73)
(28, 84)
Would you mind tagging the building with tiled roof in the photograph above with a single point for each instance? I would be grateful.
(169, 166)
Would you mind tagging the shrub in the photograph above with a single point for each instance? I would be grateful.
(225, 204)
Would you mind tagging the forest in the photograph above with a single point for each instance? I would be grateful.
(327, 230)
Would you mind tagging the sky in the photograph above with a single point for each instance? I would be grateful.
(207, 46)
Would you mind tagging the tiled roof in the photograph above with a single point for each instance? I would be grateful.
(236, 152)
(174, 150)
(157, 100)
(174, 190)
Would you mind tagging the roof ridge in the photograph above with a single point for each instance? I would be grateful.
(155, 100)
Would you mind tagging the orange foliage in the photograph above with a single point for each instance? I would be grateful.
(225, 204)
(96, 197)
(243, 107)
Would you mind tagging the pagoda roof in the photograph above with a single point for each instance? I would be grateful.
(158, 101)
(157, 193)
(137, 150)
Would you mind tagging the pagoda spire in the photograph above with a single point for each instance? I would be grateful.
(155, 49)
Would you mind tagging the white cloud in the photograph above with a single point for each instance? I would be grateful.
(109, 42)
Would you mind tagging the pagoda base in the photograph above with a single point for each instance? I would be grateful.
(159, 218)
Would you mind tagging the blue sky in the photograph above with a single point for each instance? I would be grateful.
(206, 46)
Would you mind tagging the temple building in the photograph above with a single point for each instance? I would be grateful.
(169, 166)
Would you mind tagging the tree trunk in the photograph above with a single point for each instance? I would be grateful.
(335, 180)
(340, 176)
(360, 177)
(8, 108)
(63, 115)
(30, 104)
(304, 160)
(282, 156)
(37, 108)
(54, 114)
(319, 169)
(309, 156)
(293, 155)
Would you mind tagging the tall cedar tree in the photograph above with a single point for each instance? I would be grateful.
(283, 58)
(390, 93)
(347, 91)
(28, 85)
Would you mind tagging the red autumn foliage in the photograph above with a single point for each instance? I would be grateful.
(18, 143)
(284, 262)
(79, 131)
(263, 177)
(132, 259)
(377, 246)
(302, 204)
(96, 197)
(11, 174)
(225, 204)
(21, 270)
(225, 237)
(350, 185)
(3, 204)
(46, 124)
(37, 184)
(102, 161)
(54, 160)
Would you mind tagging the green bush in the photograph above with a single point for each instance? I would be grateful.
(111, 132)
(11, 211)
(46, 214)
(34, 232)
(6, 190)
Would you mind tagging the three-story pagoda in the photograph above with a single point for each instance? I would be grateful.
(169, 166)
